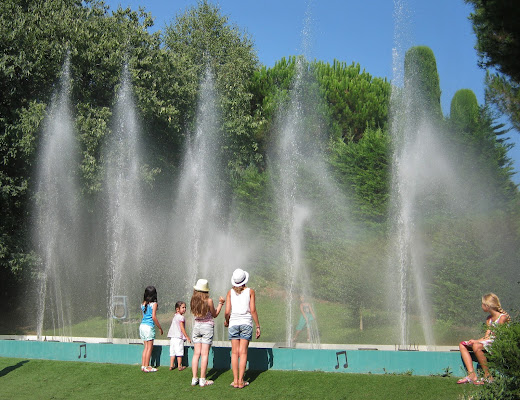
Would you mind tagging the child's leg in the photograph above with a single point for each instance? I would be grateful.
(195, 359)
(148, 347)
(143, 357)
(478, 349)
(468, 362)
(172, 353)
(204, 355)
(179, 362)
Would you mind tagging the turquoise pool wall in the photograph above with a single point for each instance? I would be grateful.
(289, 359)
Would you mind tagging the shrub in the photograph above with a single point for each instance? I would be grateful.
(504, 363)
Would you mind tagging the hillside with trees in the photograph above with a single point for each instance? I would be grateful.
(475, 252)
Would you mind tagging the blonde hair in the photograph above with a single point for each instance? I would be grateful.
(199, 303)
(239, 289)
(492, 301)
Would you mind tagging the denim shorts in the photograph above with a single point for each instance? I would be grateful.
(240, 332)
(202, 333)
(146, 332)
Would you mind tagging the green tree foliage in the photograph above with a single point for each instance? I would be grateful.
(270, 87)
(202, 37)
(354, 99)
(505, 94)
(35, 39)
(421, 83)
(464, 110)
(474, 129)
(357, 100)
(363, 167)
(495, 24)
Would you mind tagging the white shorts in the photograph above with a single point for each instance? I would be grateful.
(146, 332)
(176, 347)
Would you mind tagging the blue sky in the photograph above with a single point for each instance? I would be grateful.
(353, 31)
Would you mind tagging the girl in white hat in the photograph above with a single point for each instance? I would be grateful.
(239, 317)
(202, 308)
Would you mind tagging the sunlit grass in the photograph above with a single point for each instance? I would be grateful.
(30, 379)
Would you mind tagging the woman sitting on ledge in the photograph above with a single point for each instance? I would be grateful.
(497, 316)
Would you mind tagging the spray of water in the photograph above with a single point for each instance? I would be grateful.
(126, 229)
(56, 213)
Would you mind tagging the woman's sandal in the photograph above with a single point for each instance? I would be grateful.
(244, 385)
(182, 368)
(206, 383)
(466, 379)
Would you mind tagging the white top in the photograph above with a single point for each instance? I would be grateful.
(175, 328)
(240, 311)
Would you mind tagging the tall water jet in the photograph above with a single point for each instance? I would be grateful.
(292, 209)
(198, 216)
(294, 167)
(126, 229)
(56, 212)
(420, 169)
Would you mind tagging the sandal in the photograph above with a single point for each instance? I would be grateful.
(207, 382)
(244, 385)
(233, 384)
(466, 379)
(182, 368)
(194, 381)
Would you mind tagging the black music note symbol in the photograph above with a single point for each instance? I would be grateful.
(337, 359)
(85, 346)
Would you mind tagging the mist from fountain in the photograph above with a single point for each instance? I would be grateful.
(56, 232)
(126, 227)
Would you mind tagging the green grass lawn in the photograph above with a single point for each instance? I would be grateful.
(39, 379)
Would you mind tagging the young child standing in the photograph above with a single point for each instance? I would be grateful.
(497, 316)
(202, 308)
(147, 327)
(178, 336)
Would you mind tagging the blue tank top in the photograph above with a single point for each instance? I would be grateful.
(147, 316)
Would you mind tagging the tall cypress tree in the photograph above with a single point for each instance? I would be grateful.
(421, 82)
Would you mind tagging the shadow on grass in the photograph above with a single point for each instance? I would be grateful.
(155, 359)
(260, 360)
(11, 368)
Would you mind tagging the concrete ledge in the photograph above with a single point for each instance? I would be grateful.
(262, 356)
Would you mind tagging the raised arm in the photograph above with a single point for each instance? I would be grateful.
(227, 313)
(216, 311)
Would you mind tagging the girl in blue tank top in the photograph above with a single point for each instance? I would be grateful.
(147, 327)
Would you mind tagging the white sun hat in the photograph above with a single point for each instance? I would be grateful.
(202, 285)
(239, 278)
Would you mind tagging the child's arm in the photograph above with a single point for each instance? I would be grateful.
(254, 314)
(154, 317)
(216, 312)
(227, 313)
(183, 330)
